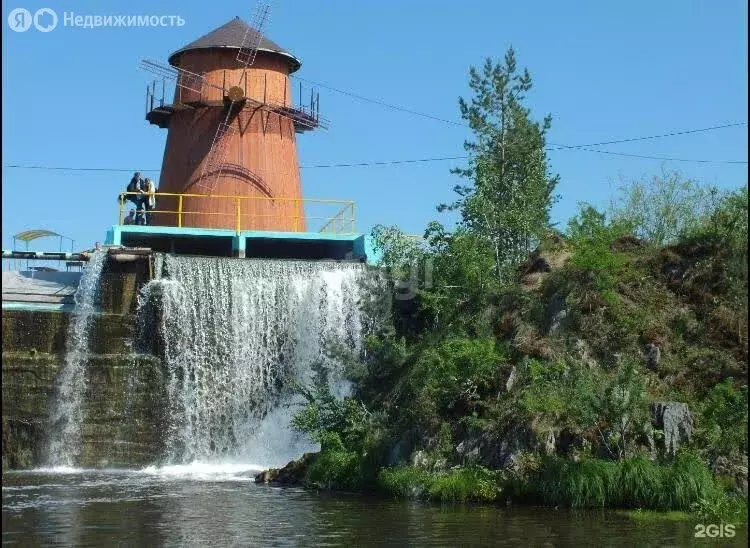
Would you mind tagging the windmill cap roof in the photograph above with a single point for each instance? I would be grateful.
(231, 35)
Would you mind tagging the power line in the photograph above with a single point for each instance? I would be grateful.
(397, 162)
(462, 124)
(671, 134)
(63, 168)
(383, 103)
(661, 158)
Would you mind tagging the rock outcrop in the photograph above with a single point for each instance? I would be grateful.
(674, 419)
(293, 474)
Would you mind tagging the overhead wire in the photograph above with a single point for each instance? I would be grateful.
(397, 162)
(463, 124)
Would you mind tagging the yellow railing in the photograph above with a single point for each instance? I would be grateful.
(249, 212)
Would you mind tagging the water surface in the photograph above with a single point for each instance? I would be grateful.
(200, 505)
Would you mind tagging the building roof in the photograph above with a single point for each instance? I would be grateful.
(34, 234)
(231, 35)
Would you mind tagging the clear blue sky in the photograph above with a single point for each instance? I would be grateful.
(604, 70)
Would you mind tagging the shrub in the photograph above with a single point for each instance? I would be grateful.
(474, 483)
(725, 417)
(661, 209)
(630, 483)
(592, 239)
(335, 469)
(404, 482)
(470, 484)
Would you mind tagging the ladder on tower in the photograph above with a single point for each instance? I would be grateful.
(251, 40)
(214, 162)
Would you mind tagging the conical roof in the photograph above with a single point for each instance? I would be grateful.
(231, 35)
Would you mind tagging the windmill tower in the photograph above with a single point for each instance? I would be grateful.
(231, 131)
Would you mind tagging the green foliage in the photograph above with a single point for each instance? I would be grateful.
(463, 264)
(623, 410)
(398, 251)
(335, 468)
(436, 366)
(727, 509)
(469, 484)
(339, 425)
(577, 484)
(725, 419)
(466, 484)
(614, 408)
(406, 482)
(663, 208)
(560, 396)
(631, 483)
(592, 241)
(510, 193)
(451, 376)
(724, 230)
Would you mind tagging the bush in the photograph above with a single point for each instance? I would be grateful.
(406, 482)
(630, 483)
(336, 469)
(725, 416)
(470, 484)
(592, 239)
(661, 209)
(474, 483)
(449, 377)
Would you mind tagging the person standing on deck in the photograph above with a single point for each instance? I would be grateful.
(149, 199)
(135, 185)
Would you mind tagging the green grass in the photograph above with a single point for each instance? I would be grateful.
(631, 483)
(470, 484)
(642, 515)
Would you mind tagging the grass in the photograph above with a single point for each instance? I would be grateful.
(469, 484)
(631, 483)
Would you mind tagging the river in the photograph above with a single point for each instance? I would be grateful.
(222, 506)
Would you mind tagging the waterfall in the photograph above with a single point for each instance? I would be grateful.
(66, 414)
(234, 332)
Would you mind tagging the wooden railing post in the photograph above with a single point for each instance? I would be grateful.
(179, 211)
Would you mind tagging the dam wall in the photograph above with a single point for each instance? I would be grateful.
(125, 396)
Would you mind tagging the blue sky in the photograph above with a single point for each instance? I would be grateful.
(604, 70)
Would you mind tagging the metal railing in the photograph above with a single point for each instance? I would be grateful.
(247, 212)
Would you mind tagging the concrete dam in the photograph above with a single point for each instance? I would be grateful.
(168, 360)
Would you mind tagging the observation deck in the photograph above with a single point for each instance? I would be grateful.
(159, 112)
(326, 231)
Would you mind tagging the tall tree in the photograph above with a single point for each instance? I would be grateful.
(511, 191)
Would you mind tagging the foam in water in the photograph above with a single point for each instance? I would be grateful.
(234, 333)
(66, 412)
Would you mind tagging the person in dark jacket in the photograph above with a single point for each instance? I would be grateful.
(135, 194)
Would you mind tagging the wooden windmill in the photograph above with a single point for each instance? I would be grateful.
(233, 84)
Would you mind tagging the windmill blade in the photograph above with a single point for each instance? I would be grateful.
(190, 81)
(253, 35)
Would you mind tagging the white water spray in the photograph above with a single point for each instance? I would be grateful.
(234, 333)
(66, 414)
